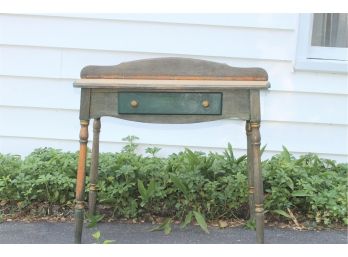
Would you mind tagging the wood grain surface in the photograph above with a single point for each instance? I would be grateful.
(173, 68)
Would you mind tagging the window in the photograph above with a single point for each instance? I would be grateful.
(330, 30)
(323, 42)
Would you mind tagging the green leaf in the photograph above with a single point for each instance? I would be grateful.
(142, 190)
(290, 184)
(62, 199)
(180, 185)
(92, 224)
(250, 224)
(56, 195)
(130, 138)
(167, 228)
(345, 220)
(94, 219)
(262, 150)
(229, 153)
(96, 235)
(192, 156)
(151, 188)
(188, 220)
(108, 241)
(152, 150)
(283, 213)
(240, 159)
(300, 193)
(201, 221)
(286, 154)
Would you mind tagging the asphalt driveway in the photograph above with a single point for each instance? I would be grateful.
(62, 233)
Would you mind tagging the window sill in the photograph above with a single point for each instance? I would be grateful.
(328, 66)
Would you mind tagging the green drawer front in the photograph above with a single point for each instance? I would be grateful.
(170, 103)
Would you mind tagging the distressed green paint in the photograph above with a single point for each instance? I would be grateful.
(169, 103)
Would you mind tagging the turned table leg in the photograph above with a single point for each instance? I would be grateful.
(258, 183)
(250, 172)
(94, 168)
(80, 181)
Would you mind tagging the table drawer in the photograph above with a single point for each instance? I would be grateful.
(169, 103)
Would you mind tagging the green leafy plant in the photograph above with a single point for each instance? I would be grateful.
(189, 186)
(313, 188)
(166, 226)
(152, 150)
(93, 221)
(250, 224)
(201, 221)
(97, 237)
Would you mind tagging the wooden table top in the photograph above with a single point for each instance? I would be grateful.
(173, 68)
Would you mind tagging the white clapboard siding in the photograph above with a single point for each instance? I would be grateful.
(262, 21)
(146, 37)
(26, 92)
(37, 62)
(304, 107)
(28, 144)
(20, 61)
(64, 124)
(41, 55)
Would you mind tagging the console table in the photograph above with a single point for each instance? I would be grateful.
(170, 90)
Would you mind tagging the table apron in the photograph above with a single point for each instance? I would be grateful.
(104, 102)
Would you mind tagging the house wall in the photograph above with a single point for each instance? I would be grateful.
(41, 56)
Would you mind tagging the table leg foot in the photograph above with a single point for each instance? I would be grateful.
(78, 225)
(259, 213)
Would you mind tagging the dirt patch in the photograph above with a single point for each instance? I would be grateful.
(37, 212)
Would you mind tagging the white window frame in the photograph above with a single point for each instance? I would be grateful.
(315, 58)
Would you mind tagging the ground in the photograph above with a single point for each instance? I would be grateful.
(43, 232)
(56, 225)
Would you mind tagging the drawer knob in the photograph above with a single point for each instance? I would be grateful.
(205, 103)
(134, 103)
